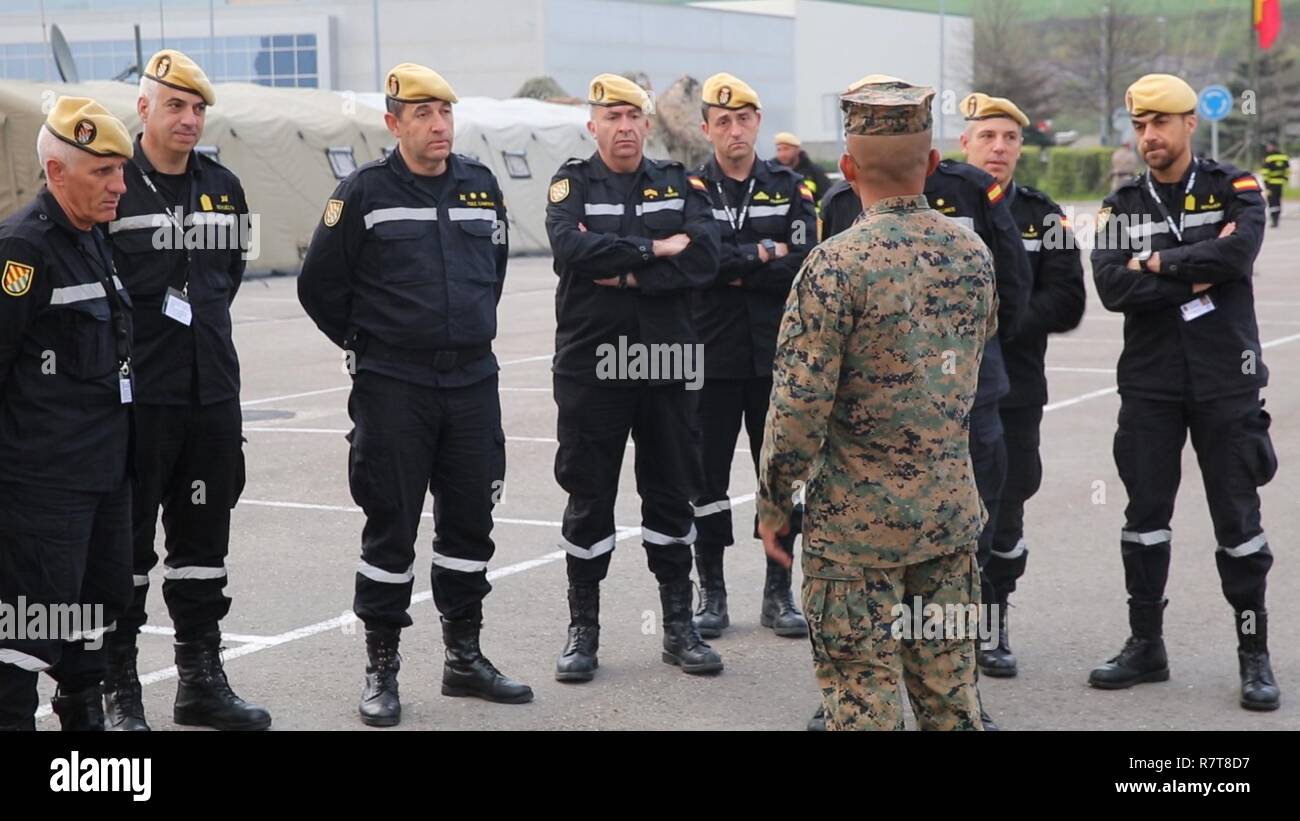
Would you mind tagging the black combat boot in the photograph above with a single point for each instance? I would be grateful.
(711, 618)
(999, 661)
(123, 707)
(467, 672)
(203, 695)
(682, 643)
(779, 611)
(578, 660)
(80, 712)
(380, 704)
(1259, 690)
(1142, 658)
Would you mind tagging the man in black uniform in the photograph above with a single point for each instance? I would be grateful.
(992, 141)
(188, 427)
(1175, 253)
(975, 199)
(1277, 168)
(632, 238)
(790, 153)
(404, 273)
(768, 222)
(65, 387)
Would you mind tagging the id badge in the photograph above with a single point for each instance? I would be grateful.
(177, 307)
(1200, 306)
(124, 389)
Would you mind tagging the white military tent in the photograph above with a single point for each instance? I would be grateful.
(280, 141)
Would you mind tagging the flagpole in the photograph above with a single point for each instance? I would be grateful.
(1252, 121)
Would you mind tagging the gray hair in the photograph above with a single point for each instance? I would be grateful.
(149, 91)
(50, 147)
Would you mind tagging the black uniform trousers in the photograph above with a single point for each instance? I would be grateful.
(724, 405)
(1009, 553)
(1236, 456)
(189, 461)
(988, 454)
(60, 547)
(408, 439)
(1274, 203)
(594, 423)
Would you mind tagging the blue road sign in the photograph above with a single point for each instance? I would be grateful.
(1214, 103)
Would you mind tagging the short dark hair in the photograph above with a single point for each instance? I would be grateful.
(394, 107)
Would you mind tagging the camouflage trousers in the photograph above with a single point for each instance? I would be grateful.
(861, 656)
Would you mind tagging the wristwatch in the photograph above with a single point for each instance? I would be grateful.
(769, 246)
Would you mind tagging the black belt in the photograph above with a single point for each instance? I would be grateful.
(440, 360)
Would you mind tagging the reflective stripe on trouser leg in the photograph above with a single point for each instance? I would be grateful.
(390, 463)
(469, 468)
(720, 413)
(592, 427)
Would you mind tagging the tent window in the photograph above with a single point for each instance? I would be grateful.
(517, 164)
(341, 161)
(212, 152)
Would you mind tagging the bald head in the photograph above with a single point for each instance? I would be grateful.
(888, 166)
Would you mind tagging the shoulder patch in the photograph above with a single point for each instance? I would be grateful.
(559, 190)
(697, 183)
(805, 192)
(17, 278)
(995, 193)
(1103, 216)
(1246, 182)
(333, 212)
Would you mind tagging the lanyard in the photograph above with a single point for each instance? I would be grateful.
(1176, 230)
(171, 215)
(737, 217)
(104, 273)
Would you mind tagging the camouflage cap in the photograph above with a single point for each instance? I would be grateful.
(887, 109)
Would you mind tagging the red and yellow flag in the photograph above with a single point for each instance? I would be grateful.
(1268, 21)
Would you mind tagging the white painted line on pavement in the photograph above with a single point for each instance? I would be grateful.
(338, 622)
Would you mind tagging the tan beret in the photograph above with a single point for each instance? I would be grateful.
(614, 89)
(727, 91)
(980, 106)
(83, 123)
(174, 70)
(786, 138)
(1160, 94)
(413, 83)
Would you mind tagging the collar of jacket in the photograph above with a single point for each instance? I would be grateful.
(192, 166)
(455, 167)
(713, 172)
(600, 171)
(51, 208)
(916, 202)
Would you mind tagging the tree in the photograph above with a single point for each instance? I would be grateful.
(1008, 60)
(1109, 49)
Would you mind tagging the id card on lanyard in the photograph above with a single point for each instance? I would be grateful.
(117, 316)
(176, 304)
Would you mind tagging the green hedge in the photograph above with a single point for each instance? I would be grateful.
(1067, 173)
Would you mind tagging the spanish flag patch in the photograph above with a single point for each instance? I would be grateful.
(805, 193)
(995, 193)
(1065, 223)
(698, 184)
(1246, 183)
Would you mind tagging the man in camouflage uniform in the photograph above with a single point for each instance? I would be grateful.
(876, 368)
